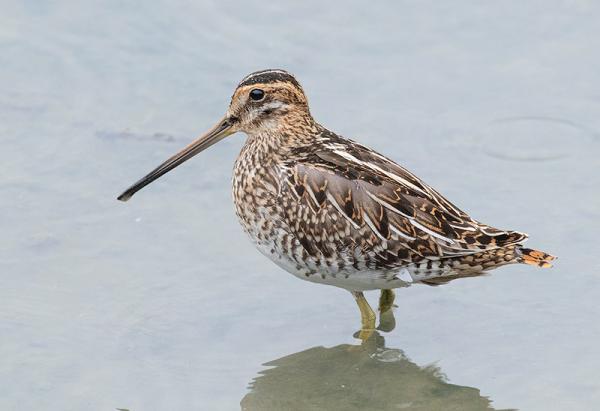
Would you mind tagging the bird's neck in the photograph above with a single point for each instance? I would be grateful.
(278, 139)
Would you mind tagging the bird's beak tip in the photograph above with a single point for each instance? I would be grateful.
(124, 197)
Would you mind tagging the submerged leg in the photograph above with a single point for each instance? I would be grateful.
(367, 315)
(386, 300)
(387, 321)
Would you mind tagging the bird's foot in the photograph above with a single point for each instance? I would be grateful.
(363, 335)
(387, 321)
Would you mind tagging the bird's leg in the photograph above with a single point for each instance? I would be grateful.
(367, 315)
(387, 321)
(386, 300)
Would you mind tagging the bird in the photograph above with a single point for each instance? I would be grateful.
(332, 211)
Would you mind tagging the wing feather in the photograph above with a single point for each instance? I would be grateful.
(389, 210)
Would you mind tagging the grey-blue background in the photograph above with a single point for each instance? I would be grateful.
(162, 303)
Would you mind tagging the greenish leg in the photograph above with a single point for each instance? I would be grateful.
(387, 321)
(386, 300)
(367, 315)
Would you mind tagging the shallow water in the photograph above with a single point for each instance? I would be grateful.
(162, 303)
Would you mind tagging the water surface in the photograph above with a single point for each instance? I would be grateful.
(162, 303)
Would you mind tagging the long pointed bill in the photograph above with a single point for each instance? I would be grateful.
(214, 135)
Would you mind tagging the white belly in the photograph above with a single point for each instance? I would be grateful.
(349, 279)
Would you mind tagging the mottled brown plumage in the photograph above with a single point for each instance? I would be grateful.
(332, 211)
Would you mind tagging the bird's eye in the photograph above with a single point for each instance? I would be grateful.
(257, 94)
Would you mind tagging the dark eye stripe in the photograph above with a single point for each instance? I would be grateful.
(257, 94)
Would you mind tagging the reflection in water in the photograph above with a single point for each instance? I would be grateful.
(363, 377)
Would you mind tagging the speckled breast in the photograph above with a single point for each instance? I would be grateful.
(269, 214)
(256, 191)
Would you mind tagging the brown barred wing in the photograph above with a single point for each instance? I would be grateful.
(364, 200)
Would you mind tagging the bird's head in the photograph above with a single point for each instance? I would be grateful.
(267, 103)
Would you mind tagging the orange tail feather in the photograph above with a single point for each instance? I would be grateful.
(537, 258)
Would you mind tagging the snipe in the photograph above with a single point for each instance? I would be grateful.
(332, 211)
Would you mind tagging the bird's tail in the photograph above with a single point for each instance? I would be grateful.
(535, 257)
